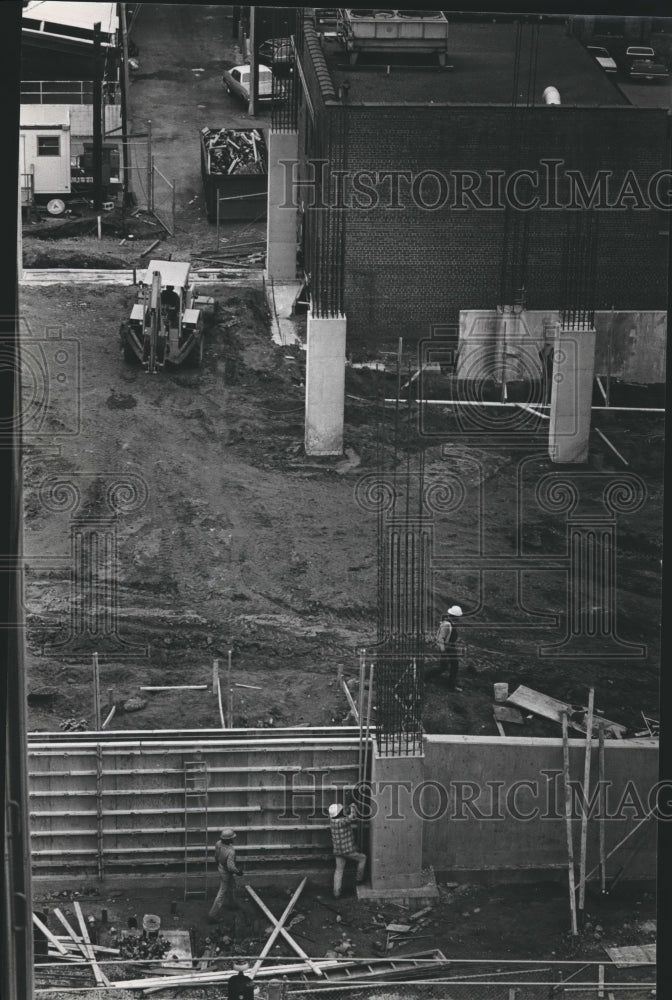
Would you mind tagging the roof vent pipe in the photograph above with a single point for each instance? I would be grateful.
(551, 96)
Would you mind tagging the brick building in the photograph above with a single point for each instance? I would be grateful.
(425, 191)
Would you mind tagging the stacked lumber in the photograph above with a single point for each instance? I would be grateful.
(233, 151)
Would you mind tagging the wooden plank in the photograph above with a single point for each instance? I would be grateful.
(586, 792)
(568, 823)
(552, 708)
(51, 938)
(351, 702)
(75, 938)
(175, 687)
(505, 713)
(101, 978)
(602, 817)
(280, 929)
(500, 727)
(630, 955)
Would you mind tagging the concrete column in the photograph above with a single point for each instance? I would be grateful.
(282, 209)
(396, 827)
(325, 385)
(571, 395)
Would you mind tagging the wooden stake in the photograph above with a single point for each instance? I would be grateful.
(230, 689)
(586, 794)
(568, 822)
(602, 818)
(219, 704)
(96, 692)
(600, 980)
(215, 676)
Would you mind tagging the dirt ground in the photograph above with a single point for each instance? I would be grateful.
(243, 543)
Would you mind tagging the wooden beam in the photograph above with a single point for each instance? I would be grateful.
(351, 702)
(568, 823)
(176, 687)
(101, 978)
(283, 930)
(602, 817)
(586, 794)
(76, 939)
(51, 938)
(500, 727)
(278, 924)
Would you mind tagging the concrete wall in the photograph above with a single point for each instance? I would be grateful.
(463, 840)
(638, 344)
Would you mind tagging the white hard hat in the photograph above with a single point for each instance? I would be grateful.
(455, 611)
(335, 809)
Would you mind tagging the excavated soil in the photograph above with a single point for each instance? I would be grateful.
(245, 544)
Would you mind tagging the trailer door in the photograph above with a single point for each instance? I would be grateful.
(52, 161)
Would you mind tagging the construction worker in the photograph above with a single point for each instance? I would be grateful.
(343, 842)
(170, 305)
(225, 856)
(240, 986)
(446, 640)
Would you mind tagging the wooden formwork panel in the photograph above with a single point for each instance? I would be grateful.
(117, 808)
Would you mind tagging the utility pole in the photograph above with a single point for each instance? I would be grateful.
(125, 151)
(254, 66)
(97, 122)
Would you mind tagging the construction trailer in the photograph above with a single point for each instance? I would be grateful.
(44, 152)
(52, 171)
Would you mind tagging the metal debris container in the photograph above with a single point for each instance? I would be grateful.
(234, 165)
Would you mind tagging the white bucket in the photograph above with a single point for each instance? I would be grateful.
(501, 691)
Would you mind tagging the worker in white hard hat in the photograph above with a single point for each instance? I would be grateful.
(342, 822)
(446, 641)
(225, 856)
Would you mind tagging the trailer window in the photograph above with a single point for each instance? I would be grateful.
(48, 145)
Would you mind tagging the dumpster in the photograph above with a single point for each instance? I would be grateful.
(234, 166)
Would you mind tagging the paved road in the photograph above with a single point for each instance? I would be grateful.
(648, 95)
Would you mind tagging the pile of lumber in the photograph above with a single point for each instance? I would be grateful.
(233, 151)
(75, 947)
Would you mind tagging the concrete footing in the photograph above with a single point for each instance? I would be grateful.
(281, 231)
(325, 385)
(571, 395)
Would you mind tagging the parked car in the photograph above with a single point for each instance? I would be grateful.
(278, 54)
(642, 63)
(237, 81)
(603, 58)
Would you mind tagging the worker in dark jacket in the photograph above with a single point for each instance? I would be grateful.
(240, 986)
(343, 841)
(446, 641)
(225, 856)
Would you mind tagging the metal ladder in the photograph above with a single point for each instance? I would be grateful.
(195, 829)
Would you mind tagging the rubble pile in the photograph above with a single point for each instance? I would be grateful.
(234, 151)
(141, 947)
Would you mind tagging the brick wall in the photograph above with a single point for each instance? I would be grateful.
(409, 268)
